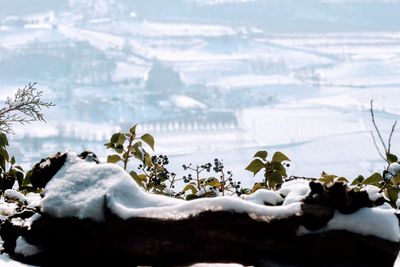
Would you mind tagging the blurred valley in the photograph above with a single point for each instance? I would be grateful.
(208, 78)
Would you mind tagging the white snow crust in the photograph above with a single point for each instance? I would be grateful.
(15, 195)
(6, 261)
(82, 189)
(373, 192)
(394, 168)
(295, 191)
(7, 209)
(262, 196)
(24, 248)
(379, 222)
(33, 199)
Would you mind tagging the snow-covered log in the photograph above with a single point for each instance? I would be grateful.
(96, 214)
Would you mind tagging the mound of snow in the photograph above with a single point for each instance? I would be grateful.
(24, 248)
(14, 195)
(263, 197)
(295, 191)
(373, 192)
(378, 222)
(82, 189)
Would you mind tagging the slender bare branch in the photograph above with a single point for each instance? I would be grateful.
(377, 148)
(390, 136)
(376, 126)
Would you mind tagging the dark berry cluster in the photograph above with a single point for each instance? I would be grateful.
(160, 160)
(218, 166)
(187, 179)
(157, 173)
(206, 167)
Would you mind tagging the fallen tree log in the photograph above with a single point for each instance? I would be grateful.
(331, 226)
(207, 237)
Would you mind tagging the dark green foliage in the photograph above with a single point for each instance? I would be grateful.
(10, 172)
(274, 169)
(153, 173)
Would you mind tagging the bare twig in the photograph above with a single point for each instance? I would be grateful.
(25, 107)
(377, 148)
(376, 127)
(390, 136)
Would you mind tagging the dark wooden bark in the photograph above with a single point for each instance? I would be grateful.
(209, 237)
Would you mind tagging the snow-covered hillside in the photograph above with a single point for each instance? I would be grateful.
(209, 78)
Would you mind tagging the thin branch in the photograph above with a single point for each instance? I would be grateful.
(376, 127)
(25, 107)
(390, 136)
(377, 148)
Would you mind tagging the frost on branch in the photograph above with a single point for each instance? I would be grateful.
(25, 107)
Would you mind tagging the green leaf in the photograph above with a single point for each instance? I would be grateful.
(255, 166)
(136, 177)
(190, 187)
(4, 154)
(213, 182)
(279, 157)
(114, 138)
(148, 139)
(121, 139)
(119, 149)
(12, 161)
(392, 193)
(396, 179)
(327, 178)
(108, 145)
(358, 180)
(3, 140)
(277, 166)
(373, 179)
(147, 160)
(20, 177)
(113, 158)
(27, 179)
(133, 130)
(391, 158)
(138, 152)
(274, 179)
(191, 197)
(261, 154)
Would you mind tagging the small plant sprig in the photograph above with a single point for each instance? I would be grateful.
(25, 107)
(153, 171)
(128, 145)
(274, 169)
(154, 177)
(199, 185)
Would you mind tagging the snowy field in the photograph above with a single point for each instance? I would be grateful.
(320, 86)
